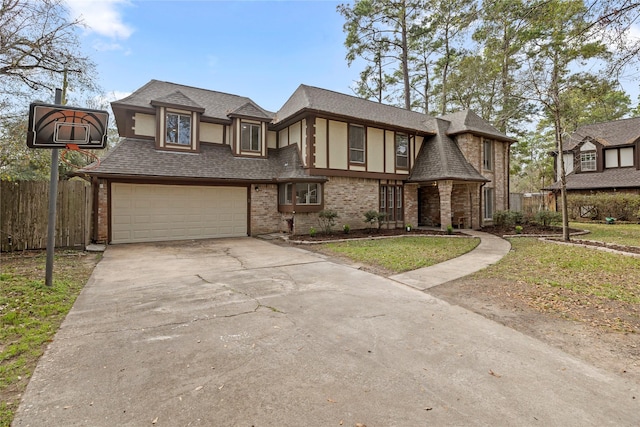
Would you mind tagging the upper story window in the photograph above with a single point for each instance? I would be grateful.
(250, 136)
(402, 151)
(588, 161)
(356, 144)
(487, 155)
(178, 128)
(618, 157)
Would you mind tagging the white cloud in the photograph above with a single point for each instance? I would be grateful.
(101, 16)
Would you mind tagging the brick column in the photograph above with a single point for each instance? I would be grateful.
(411, 204)
(476, 221)
(102, 234)
(444, 189)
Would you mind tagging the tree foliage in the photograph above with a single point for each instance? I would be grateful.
(39, 45)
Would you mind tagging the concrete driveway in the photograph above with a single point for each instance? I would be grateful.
(240, 332)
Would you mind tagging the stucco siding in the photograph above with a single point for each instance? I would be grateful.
(211, 132)
(390, 152)
(338, 148)
(375, 150)
(321, 143)
(145, 124)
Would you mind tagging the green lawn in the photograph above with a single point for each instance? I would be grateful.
(31, 313)
(622, 234)
(584, 271)
(401, 254)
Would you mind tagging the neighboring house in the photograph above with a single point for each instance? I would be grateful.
(195, 163)
(603, 157)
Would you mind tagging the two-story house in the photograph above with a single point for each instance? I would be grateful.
(194, 163)
(602, 157)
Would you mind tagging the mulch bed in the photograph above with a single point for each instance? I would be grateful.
(370, 234)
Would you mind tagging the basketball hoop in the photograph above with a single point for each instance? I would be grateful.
(93, 159)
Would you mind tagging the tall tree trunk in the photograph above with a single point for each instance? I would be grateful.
(405, 59)
(555, 95)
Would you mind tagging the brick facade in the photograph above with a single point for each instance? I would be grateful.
(102, 233)
(263, 209)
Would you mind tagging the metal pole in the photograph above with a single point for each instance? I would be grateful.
(53, 196)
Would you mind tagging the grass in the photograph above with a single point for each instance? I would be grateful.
(31, 313)
(397, 255)
(622, 234)
(584, 284)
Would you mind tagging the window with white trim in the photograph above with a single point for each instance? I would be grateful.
(588, 161)
(178, 129)
(356, 144)
(250, 136)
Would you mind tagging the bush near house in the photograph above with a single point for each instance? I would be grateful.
(599, 206)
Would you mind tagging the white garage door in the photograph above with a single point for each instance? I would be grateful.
(151, 213)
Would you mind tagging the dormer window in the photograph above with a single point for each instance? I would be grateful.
(178, 129)
(250, 135)
(588, 161)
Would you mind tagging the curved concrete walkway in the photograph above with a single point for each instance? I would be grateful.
(490, 250)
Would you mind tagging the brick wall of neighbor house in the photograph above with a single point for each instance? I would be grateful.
(102, 234)
(265, 217)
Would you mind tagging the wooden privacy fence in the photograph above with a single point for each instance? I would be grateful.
(24, 214)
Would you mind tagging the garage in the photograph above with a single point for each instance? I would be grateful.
(152, 212)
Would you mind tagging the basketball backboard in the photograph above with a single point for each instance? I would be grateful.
(55, 126)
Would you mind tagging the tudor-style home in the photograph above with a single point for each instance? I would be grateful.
(602, 157)
(194, 163)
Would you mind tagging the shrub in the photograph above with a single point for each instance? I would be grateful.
(622, 206)
(373, 216)
(346, 228)
(449, 229)
(507, 218)
(312, 232)
(547, 218)
(518, 229)
(327, 219)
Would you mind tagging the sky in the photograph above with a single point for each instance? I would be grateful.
(259, 49)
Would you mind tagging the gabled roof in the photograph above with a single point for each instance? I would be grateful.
(177, 98)
(605, 180)
(467, 121)
(140, 158)
(441, 158)
(309, 98)
(250, 110)
(216, 105)
(617, 132)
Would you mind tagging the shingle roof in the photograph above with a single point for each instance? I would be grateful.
(137, 157)
(250, 110)
(330, 102)
(468, 121)
(177, 98)
(608, 179)
(216, 104)
(441, 158)
(617, 132)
